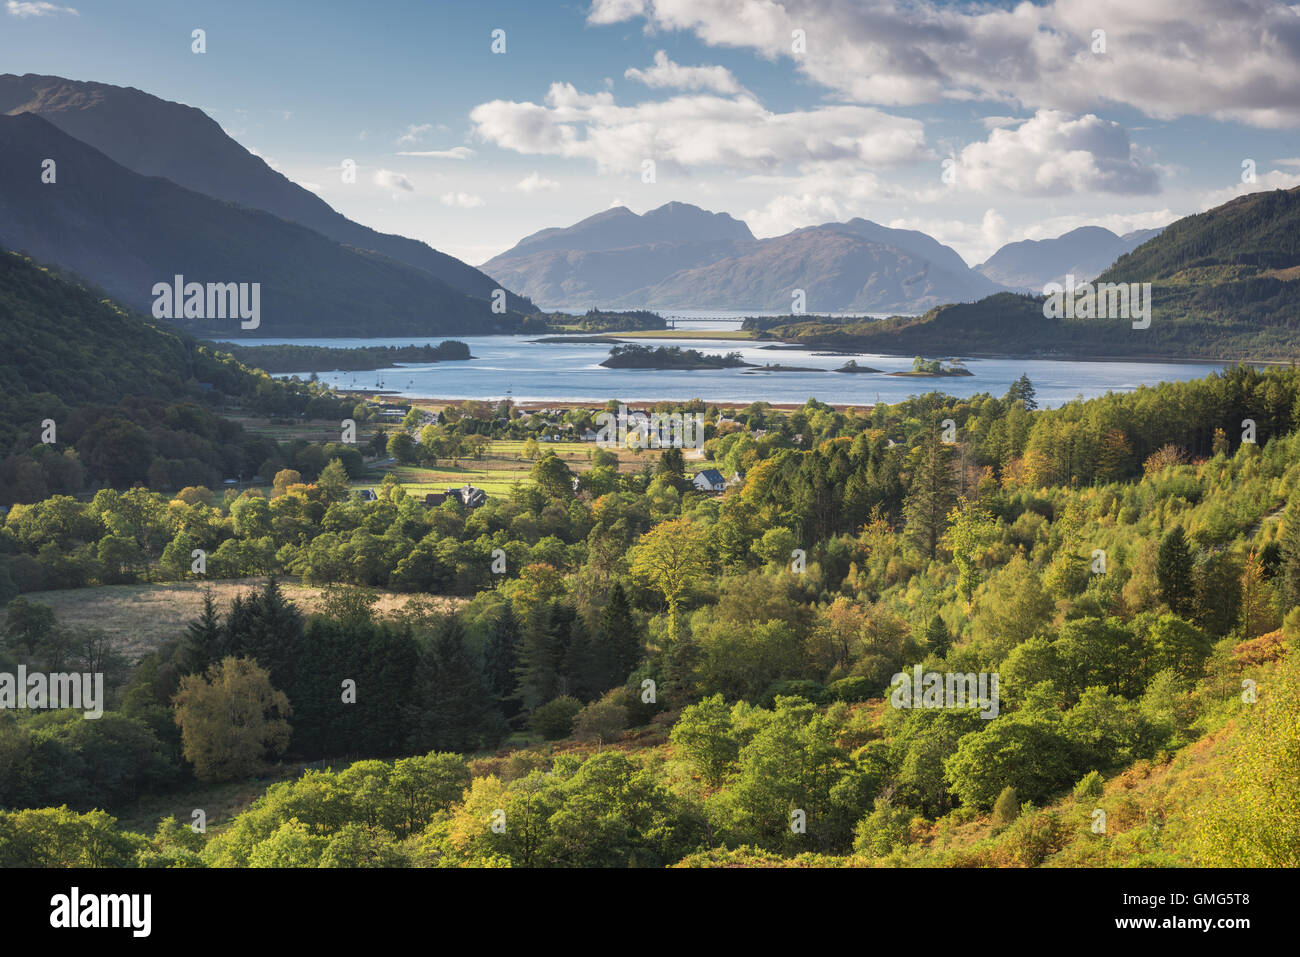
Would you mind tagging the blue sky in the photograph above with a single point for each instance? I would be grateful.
(1038, 129)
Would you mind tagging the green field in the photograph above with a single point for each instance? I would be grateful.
(500, 468)
(731, 334)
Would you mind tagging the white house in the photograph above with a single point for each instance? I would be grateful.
(709, 480)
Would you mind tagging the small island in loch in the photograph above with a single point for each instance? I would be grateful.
(670, 357)
(927, 368)
(852, 366)
(297, 358)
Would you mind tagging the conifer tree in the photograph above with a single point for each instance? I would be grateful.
(931, 494)
(501, 660)
(452, 708)
(1174, 572)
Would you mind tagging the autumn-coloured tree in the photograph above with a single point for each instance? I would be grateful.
(669, 558)
(231, 719)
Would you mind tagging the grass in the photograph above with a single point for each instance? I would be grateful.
(143, 616)
(503, 465)
(735, 334)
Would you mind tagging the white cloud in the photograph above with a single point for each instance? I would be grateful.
(1233, 60)
(696, 130)
(390, 180)
(461, 200)
(534, 182)
(666, 73)
(1055, 153)
(414, 133)
(1272, 179)
(455, 153)
(1293, 162)
(268, 160)
(27, 8)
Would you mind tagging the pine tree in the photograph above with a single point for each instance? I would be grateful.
(501, 660)
(268, 628)
(1174, 573)
(937, 637)
(538, 670)
(452, 708)
(672, 466)
(578, 675)
(1023, 390)
(206, 640)
(621, 642)
(931, 495)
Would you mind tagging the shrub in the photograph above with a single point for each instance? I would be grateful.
(554, 720)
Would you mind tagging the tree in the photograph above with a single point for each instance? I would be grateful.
(267, 627)
(1257, 616)
(937, 638)
(1026, 749)
(231, 719)
(670, 557)
(531, 449)
(931, 493)
(1022, 390)
(601, 720)
(1174, 572)
(1289, 577)
(704, 735)
(1179, 646)
(284, 478)
(501, 660)
(333, 482)
(972, 530)
(1114, 457)
(452, 708)
(1006, 808)
(553, 477)
(402, 447)
(206, 638)
(620, 642)
(554, 720)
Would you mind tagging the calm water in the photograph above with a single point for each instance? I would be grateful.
(529, 371)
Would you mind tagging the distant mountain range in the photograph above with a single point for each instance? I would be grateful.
(1028, 265)
(157, 140)
(680, 256)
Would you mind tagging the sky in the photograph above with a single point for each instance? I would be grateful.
(474, 125)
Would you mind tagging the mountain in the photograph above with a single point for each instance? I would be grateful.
(156, 137)
(838, 270)
(127, 232)
(620, 227)
(681, 256)
(1028, 265)
(606, 257)
(1225, 284)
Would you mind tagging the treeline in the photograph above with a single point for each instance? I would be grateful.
(633, 356)
(298, 358)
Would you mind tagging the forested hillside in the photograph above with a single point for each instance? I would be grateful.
(129, 400)
(657, 676)
(1224, 286)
